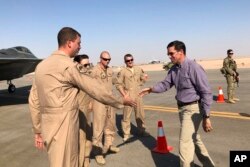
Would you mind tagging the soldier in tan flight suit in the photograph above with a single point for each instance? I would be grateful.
(85, 115)
(129, 80)
(53, 100)
(104, 122)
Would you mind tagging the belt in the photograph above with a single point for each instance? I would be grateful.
(181, 104)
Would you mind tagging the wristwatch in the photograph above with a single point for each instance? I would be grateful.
(206, 116)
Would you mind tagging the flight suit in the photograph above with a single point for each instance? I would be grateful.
(54, 106)
(85, 131)
(131, 81)
(230, 67)
(103, 115)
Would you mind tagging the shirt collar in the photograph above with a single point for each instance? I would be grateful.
(60, 52)
(184, 63)
(100, 66)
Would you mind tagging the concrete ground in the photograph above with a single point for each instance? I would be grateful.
(231, 124)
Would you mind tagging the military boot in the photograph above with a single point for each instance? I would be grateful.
(231, 101)
(126, 137)
(230, 98)
(114, 149)
(236, 99)
(100, 160)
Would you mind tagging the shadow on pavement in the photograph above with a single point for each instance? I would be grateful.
(20, 96)
(215, 98)
(244, 114)
(160, 160)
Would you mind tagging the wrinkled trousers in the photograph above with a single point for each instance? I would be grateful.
(139, 117)
(190, 141)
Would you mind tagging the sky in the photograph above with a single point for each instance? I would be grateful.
(142, 28)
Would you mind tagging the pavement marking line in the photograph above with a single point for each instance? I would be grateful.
(159, 109)
(231, 116)
(213, 113)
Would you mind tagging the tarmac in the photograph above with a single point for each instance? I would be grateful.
(231, 123)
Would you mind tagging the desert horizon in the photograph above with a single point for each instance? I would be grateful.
(243, 62)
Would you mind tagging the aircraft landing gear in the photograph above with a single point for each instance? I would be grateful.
(11, 88)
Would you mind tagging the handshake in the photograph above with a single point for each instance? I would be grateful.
(128, 101)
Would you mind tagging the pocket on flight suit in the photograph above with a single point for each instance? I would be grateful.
(52, 119)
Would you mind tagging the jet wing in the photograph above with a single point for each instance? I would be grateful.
(11, 68)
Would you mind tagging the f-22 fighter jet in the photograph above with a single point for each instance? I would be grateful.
(16, 62)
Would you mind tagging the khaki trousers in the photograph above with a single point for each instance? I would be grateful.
(85, 135)
(104, 123)
(139, 117)
(190, 141)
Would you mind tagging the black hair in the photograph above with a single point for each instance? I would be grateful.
(78, 58)
(127, 55)
(229, 51)
(178, 45)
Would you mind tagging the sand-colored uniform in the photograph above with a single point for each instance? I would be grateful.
(85, 128)
(131, 80)
(54, 106)
(103, 115)
(230, 67)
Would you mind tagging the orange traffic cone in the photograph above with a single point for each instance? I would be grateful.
(161, 146)
(220, 98)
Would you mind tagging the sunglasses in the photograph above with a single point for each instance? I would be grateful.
(129, 60)
(86, 65)
(171, 53)
(105, 59)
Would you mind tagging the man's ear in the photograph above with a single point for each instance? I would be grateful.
(181, 51)
(69, 44)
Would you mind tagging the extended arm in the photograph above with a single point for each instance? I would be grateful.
(95, 89)
(160, 87)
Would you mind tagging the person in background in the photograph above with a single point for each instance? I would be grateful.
(104, 123)
(129, 80)
(52, 100)
(194, 99)
(231, 74)
(85, 111)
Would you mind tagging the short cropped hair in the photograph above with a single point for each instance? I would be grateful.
(67, 34)
(127, 55)
(178, 45)
(104, 52)
(79, 58)
(229, 51)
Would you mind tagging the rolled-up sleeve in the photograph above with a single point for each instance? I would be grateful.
(119, 80)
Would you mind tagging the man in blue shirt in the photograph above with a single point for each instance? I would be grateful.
(194, 99)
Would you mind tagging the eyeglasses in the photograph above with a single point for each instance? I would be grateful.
(171, 53)
(129, 60)
(105, 59)
(86, 65)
